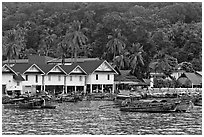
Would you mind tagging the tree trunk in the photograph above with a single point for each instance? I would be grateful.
(75, 55)
(8, 58)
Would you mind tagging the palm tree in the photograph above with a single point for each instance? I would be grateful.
(116, 43)
(136, 58)
(122, 61)
(48, 42)
(86, 50)
(13, 42)
(75, 37)
(164, 63)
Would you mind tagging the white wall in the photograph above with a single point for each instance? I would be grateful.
(32, 79)
(75, 80)
(11, 84)
(54, 79)
(102, 78)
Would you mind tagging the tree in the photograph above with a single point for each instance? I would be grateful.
(48, 44)
(122, 61)
(186, 66)
(13, 42)
(163, 63)
(76, 37)
(116, 43)
(136, 58)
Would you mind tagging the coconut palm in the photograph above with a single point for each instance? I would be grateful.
(136, 58)
(116, 43)
(48, 42)
(163, 63)
(13, 42)
(122, 61)
(75, 37)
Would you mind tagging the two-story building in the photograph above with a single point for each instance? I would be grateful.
(11, 81)
(100, 76)
(90, 76)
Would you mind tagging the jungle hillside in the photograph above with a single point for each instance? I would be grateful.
(139, 36)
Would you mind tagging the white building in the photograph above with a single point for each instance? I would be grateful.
(11, 80)
(88, 77)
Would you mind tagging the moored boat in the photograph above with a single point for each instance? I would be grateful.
(37, 103)
(152, 106)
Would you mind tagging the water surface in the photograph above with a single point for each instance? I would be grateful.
(86, 118)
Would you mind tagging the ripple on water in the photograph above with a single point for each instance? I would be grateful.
(85, 118)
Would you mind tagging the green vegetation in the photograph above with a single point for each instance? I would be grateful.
(132, 35)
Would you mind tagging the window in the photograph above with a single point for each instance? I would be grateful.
(80, 78)
(59, 78)
(108, 77)
(49, 78)
(26, 77)
(18, 83)
(96, 76)
(70, 78)
(36, 78)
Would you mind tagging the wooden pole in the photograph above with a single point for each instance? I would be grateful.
(91, 88)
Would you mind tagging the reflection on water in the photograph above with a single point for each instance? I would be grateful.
(85, 118)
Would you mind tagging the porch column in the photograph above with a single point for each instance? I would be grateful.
(97, 88)
(84, 89)
(91, 88)
(75, 89)
(113, 88)
(102, 88)
(43, 82)
(65, 86)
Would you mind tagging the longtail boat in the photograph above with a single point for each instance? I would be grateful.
(152, 106)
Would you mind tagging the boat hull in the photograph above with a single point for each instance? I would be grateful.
(149, 107)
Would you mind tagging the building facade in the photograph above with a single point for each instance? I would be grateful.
(93, 76)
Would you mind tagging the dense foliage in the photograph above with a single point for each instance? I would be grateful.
(132, 35)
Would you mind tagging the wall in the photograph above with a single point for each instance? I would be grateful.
(102, 78)
(75, 80)
(32, 79)
(11, 84)
(54, 79)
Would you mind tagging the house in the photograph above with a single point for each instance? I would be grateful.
(33, 76)
(124, 79)
(192, 80)
(11, 80)
(75, 79)
(100, 76)
(87, 76)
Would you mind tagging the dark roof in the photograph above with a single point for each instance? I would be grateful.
(21, 67)
(194, 78)
(31, 60)
(36, 59)
(87, 66)
(69, 60)
(90, 66)
(9, 68)
(68, 68)
(45, 68)
(125, 76)
(18, 77)
(17, 61)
